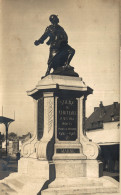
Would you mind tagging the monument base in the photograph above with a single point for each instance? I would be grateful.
(59, 177)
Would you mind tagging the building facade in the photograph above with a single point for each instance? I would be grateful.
(103, 127)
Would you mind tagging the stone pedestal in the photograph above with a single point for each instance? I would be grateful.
(61, 137)
(59, 157)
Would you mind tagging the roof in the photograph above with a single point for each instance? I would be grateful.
(103, 114)
(5, 119)
(28, 135)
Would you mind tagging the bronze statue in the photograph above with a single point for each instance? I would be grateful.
(60, 52)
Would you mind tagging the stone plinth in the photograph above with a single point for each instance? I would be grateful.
(33, 167)
(59, 157)
(78, 168)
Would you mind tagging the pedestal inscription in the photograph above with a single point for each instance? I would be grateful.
(67, 119)
(68, 150)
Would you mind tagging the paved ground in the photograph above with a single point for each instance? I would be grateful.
(8, 165)
(114, 175)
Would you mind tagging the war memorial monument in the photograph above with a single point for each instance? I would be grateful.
(60, 159)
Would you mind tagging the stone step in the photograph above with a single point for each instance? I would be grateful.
(23, 184)
(32, 188)
(79, 186)
(16, 182)
(28, 185)
(79, 181)
(5, 189)
(79, 191)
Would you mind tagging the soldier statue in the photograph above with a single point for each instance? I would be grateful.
(60, 52)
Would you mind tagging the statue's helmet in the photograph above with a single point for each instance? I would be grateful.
(54, 19)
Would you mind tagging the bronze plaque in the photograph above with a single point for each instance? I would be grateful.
(67, 119)
(68, 150)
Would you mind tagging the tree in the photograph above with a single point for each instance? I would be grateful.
(2, 137)
(12, 136)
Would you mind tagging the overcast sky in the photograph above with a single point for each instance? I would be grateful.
(93, 31)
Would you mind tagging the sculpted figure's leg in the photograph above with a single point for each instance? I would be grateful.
(71, 53)
(50, 62)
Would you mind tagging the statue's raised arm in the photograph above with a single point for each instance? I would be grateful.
(43, 37)
(60, 52)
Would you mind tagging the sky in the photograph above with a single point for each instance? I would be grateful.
(93, 31)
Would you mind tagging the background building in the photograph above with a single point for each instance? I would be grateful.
(102, 127)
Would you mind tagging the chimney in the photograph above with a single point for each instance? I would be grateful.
(115, 104)
(101, 104)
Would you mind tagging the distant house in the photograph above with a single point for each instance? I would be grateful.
(23, 139)
(13, 147)
(102, 127)
(14, 143)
